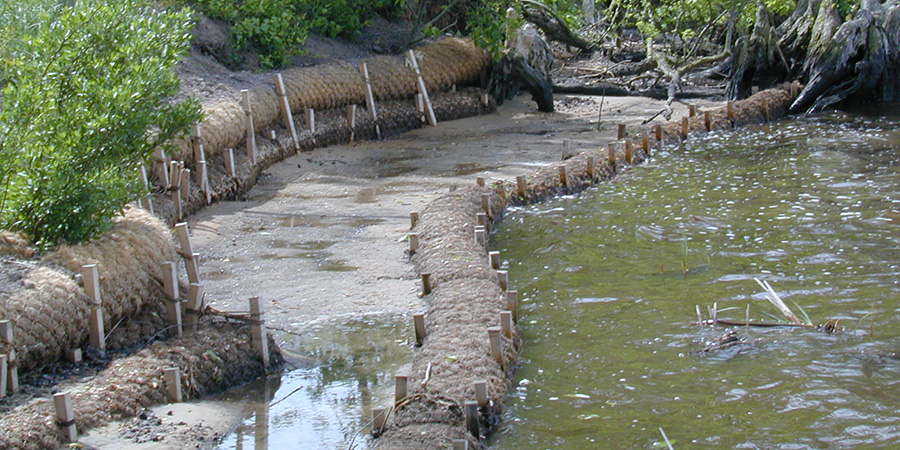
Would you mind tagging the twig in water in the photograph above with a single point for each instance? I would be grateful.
(775, 300)
(285, 397)
(666, 438)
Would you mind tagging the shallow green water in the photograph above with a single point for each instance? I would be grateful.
(610, 280)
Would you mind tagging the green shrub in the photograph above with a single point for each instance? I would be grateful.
(275, 28)
(85, 101)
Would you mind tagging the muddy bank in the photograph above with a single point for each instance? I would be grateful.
(466, 303)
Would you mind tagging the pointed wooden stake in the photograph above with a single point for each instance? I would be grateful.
(370, 99)
(286, 115)
(250, 134)
(429, 111)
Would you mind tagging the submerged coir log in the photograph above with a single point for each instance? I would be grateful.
(211, 361)
(466, 299)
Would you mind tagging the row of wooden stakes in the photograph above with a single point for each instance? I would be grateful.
(175, 308)
(175, 178)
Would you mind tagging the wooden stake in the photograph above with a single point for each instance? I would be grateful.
(482, 220)
(765, 109)
(65, 415)
(176, 182)
(486, 203)
(90, 275)
(658, 130)
(471, 414)
(351, 121)
(258, 337)
(286, 114)
(420, 107)
(172, 376)
(379, 420)
(495, 259)
(563, 178)
(590, 167)
(629, 152)
(503, 279)
(645, 142)
(74, 355)
(729, 111)
(413, 242)
(10, 376)
(204, 182)
(685, 127)
(193, 306)
(512, 304)
(173, 306)
(692, 110)
(310, 118)
(191, 259)
(3, 375)
(496, 345)
(12, 372)
(460, 444)
(197, 144)
(506, 323)
(229, 161)
(370, 99)
(485, 99)
(520, 184)
(754, 90)
(707, 120)
(272, 135)
(481, 393)
(413, 219)
(185, 184)
(162, 167)
(401, 383)
(480, 181)
(250, 135)
(429, 111)
(621, 134)
(480, 235)
(144, 178)
(419, 323)
(7, 331)
(611, 155)
(426, 283)
(184, 239)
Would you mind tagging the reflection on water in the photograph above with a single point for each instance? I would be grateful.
(610, 281)
(340, 370)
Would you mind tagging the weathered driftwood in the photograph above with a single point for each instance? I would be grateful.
(526, 65)
(757, 60)
(856, 61)
(555, 29)
(860, 62)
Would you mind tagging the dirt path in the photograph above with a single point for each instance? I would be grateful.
(323, 235)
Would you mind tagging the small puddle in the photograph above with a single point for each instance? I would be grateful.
(344, 368)
(335, 266)
(306, 245)
(216, 275)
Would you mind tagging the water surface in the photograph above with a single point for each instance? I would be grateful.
(610, 282)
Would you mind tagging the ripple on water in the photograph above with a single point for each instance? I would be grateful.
(792, 204)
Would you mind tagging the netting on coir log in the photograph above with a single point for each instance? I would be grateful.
(50, 309)
(466, 299)
(210, 361)
(443, 63)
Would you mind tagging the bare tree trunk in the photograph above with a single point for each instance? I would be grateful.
(857, 63)
(589, 10)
